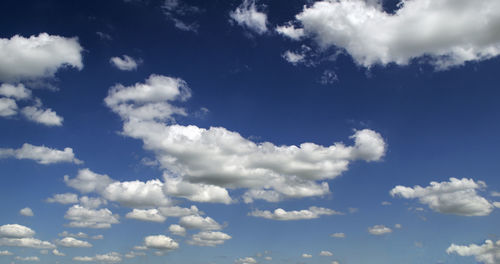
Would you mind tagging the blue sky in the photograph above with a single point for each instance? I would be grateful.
(249, 132)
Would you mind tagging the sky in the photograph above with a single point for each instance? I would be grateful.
(249, 131)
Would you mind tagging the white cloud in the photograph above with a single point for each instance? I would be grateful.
(18, 92)
(63, 198)
(43, 116)
(40, 154)
(207, 162)
(379, 230)
(487, 253)
(495, 194)
(78, 235)
(398, 226)
(305, 255)
(83, 259)
(385, 203)
(160, 242)
(454, 197)
(28, 242)
(247, 15)
(280, 214)
(126, 64)
(446, 31)
(26, 212)
(133, 254)
(176, 211)
(5, 253)
(208, 238)
(177, 230)
(87, 181)
(137, 193)
(199, 222)
(247, 260)
(335, 262)
(97, 237)
(111, 258)
(92, 202)
(73, 242)
(44, 251)
(87, 218)
(8, 107)
(325, 253)
(33, 258)
(16, 231)
(151, 215)
(37, 56)
(58, 253)
(338, 235)
(293, 57)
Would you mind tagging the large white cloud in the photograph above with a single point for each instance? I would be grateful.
(208, 238)
(447, 31)
(18, 92)
(457, 196)
(201, 164)
(280, 214)
(247, 15)
(88, 218)
(137, 193)
(37, 56)
(16, 231)
(487, 253)
(40, 154)
(160, 242)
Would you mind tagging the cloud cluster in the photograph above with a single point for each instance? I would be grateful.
(40, 154)
(282, 215)
(446, 31)
(15, 235)
(456, 196)
(247, 16)
(487, 253)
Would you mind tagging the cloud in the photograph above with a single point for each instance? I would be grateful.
(5, 253)
(83, 259)
(378, 230)
(92, 202)
(126, 64)
(15, 231)
(201, 164)
(247, 260)
(18, 92)
(40, 154)
(453, 197)
(247, 16)
(26, 212)
(63, 198)
(177, 230)
(111, 258)
(37, 56)
(58, 253)
(73, 242)
(372, 36)
(77, 235)
(137, 193)
(178, 12)
(199, 222)
(487, 253)
(305, 255)
(8, 107)
(326, 253)
(160, 242)
(293, 57)
(87, 218)
(28, 242)
(33, 258)
(176, 211)
(495, 194)
(43, 116)
(338, 235)
(151, 215)
(208, 238)
(280, 214)
(398, 226)
(88, 181)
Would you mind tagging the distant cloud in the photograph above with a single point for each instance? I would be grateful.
(338, 235)
(247, 260)
(325, 253)
(40, 154)
(26, 212)
(104, 36)
(73, 242)
(247, 16)
(63, 198)
(126, 64)
(6, 253)
(293, 58)
(33, 258)
(305, 255)
(487, 253)
(280, 214)
(58, 253)
(379, 230)
(208, 238)
(179, 12)
(457, 196)
(108, 258)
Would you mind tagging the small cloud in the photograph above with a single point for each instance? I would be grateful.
(26, 212)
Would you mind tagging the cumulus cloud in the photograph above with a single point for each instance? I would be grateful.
(111, 258)
(43, 116)
(63, 198)
(325, 253)
(126, 64)
(58, 253)
(199, 222)
(26, 212)
(280, 214)
(37, 56)
(17, 92)
(378, 230)
(201, 164)
(92, 202)
(151, 215)
(457, 196)
(88, 181)
(40, 154)
(209, 238)
(177, 230)
(8, 107)
(176, 211)
(27, 242)
(160, 242)
(73, 242)
(16, 231)
(487, 253)
(247, 260)
(247, 16)
(88, 218)
(447, 32)
(137, 193)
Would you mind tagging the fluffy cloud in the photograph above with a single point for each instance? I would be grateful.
(453, 197)
(18, 92)
(151, 215)
(338, 235)
(373, 36)
(8, 107)
(40, 154)
(209, 238)
(247, 15)
(326, 253)
(206, 162)
(88, 181)
(73, 242)
(37, 56)
(177, 230)
(487, 253)
(199, 222)
(126, 64)
(43, 116)
(88, 218)
(63, 198)
(160, 242)
(92, 202)
(247, 260)
(378, 230)
(58, 253)
(28, 242)
(280, 214)
(16, 231)
(26, 212)
(137, 193)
